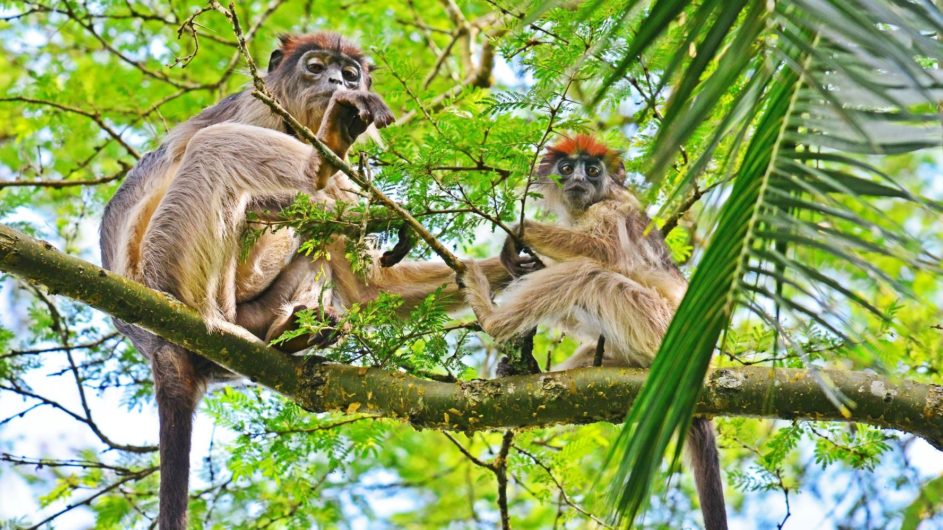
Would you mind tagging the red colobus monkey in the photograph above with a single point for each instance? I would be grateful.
(606, 277)
(175, 224)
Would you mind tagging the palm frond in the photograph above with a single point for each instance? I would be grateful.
(831, 86)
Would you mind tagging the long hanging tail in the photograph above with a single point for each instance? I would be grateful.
(705, 463)
(179, 387)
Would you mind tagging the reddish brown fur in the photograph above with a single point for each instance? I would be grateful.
(582, 143)
(576, 145)
(605, 277)
(324, 40)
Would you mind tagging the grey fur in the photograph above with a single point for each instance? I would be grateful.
(175, 221)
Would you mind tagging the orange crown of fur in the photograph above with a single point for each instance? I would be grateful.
(580, 144)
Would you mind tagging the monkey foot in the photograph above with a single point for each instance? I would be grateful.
(506, 367)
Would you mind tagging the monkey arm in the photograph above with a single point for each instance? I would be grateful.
(415, 280)
(563, 243)
(347, 116)
(411, 280)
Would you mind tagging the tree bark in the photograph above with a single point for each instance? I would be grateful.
(575, 396)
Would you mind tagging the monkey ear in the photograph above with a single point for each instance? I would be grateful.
(285, 38)
(275, 59)
(368, 67)
(618, 172)
(548, 161)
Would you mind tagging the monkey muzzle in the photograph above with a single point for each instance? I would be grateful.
(578, 189)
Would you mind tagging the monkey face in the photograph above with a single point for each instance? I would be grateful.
(583, 179)
(318, 73)
(308, 69)
(327, 70)
(577, 172)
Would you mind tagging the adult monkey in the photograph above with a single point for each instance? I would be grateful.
(175, 223)
(608, 278)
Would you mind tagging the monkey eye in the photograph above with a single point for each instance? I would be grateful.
(351, 74)
(315, 67)
(566, 169)
(593, 171)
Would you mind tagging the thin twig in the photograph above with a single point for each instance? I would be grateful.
(16, 389)
(59, 184)
(84, 346)
(498, 466)
(88, 500)
(563, 496)
(475, 460)
(94, 116)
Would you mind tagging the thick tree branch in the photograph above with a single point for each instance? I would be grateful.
(575, 396)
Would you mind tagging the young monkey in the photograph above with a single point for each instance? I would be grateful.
(604, 276)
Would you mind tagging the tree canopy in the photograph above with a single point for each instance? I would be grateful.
(789, 151)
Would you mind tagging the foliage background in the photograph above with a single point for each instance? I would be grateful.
(479, 88)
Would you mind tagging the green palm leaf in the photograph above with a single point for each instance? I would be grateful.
(831, 86)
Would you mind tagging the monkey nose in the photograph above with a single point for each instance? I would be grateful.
(335, 80)
(578, 186)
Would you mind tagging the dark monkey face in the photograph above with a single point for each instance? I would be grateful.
(581, 170)
(328, 70)
(583, 179)
(307, 69)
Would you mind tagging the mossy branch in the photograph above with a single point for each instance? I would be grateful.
(572, 397)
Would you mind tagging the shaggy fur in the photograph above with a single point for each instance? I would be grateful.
(175, 223)
(606, 276)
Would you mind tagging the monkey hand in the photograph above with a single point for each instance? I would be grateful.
(516, 264)
(403, 245)
(472, 278)
(352, 111)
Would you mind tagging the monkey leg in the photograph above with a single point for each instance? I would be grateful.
(303, 284)
(179, 385)
(191, 244)
(584, 356)
(528, 300)
(632, 317)
(328, 334)
(411, 280)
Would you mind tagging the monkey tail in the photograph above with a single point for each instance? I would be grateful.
(705, 463)
(179, 387)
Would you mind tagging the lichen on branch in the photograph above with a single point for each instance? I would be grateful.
(572, 397)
